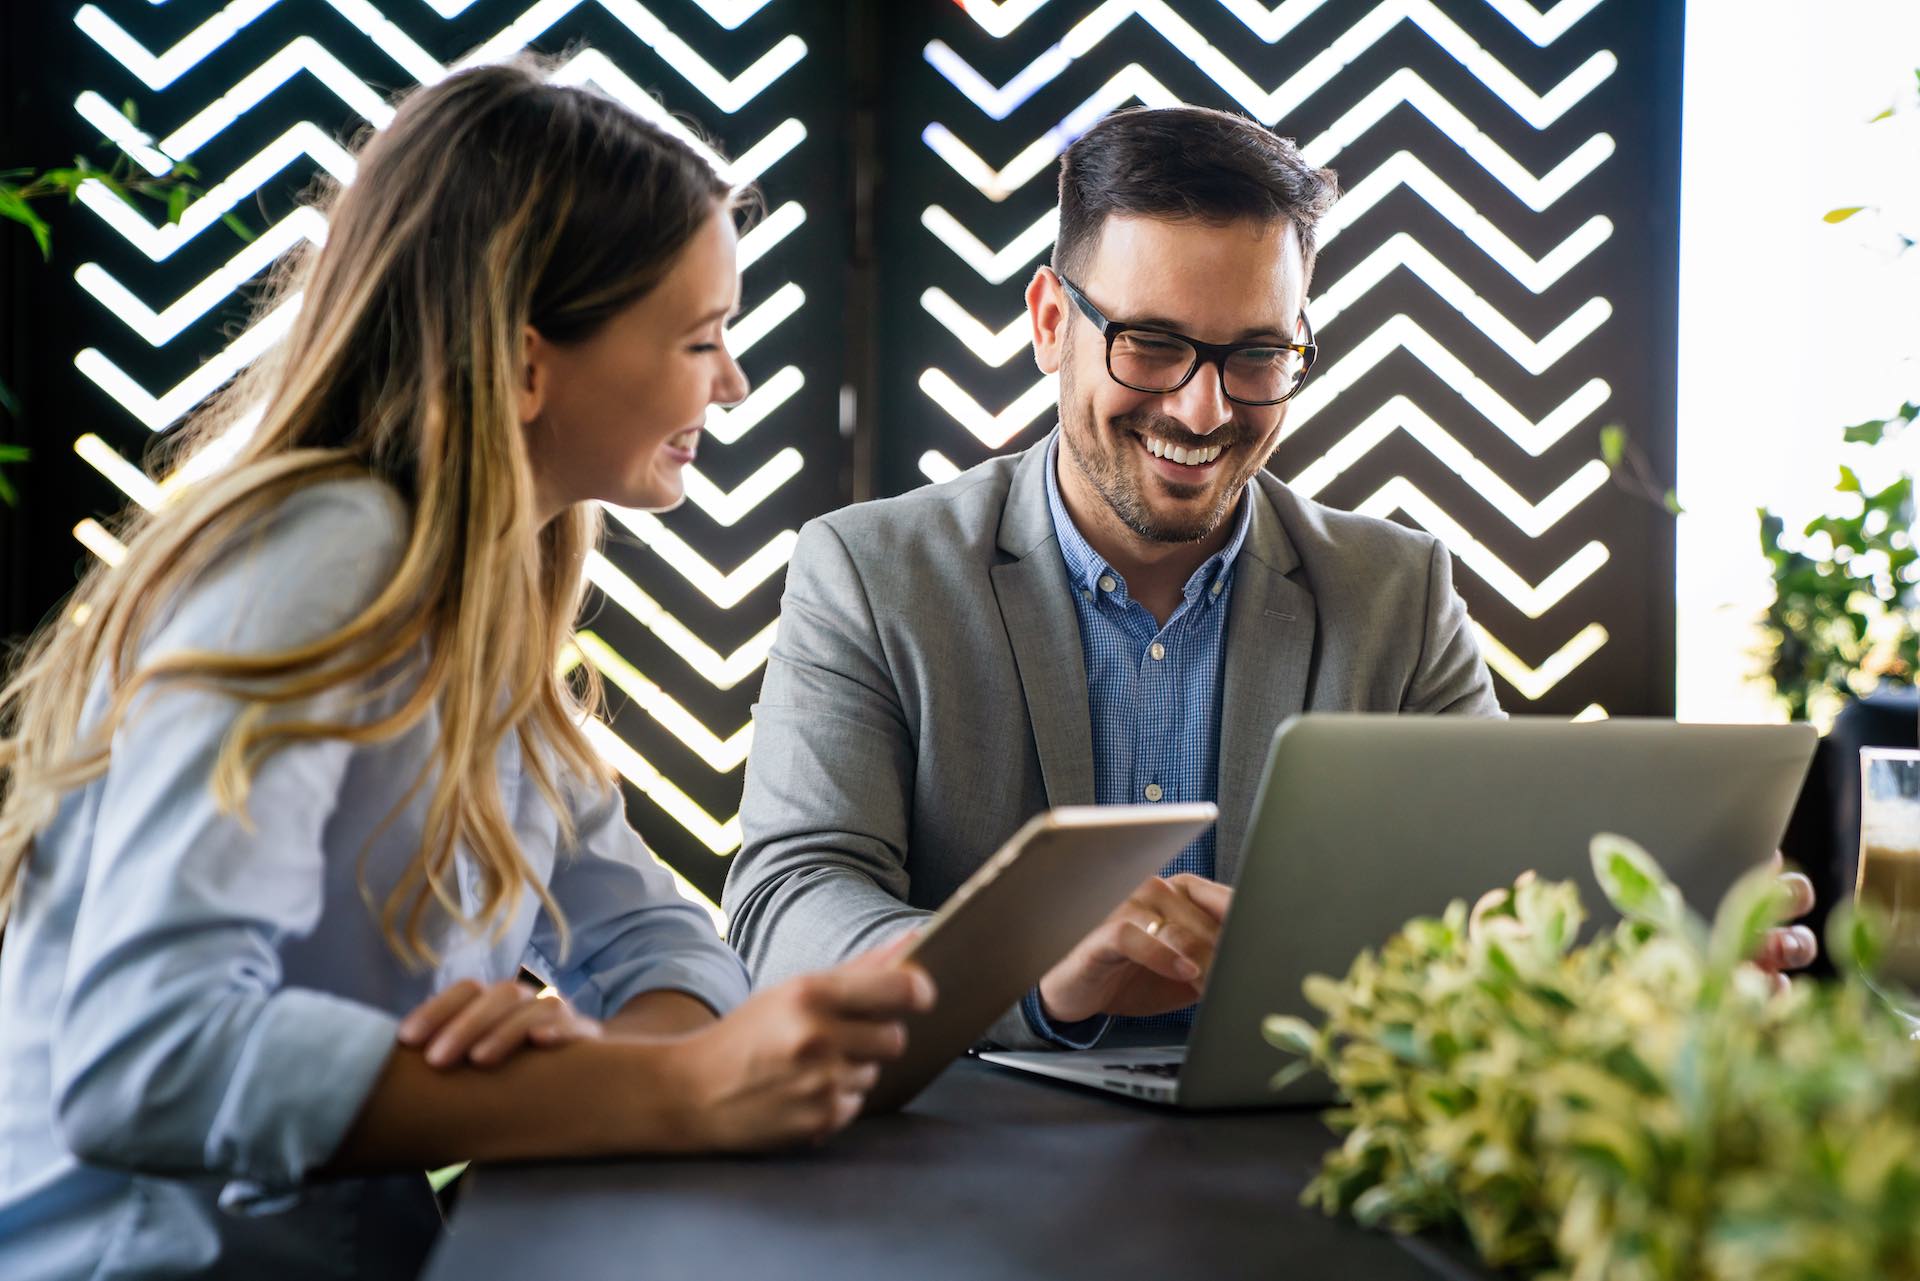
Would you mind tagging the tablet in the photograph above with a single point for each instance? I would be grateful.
(1044, 891)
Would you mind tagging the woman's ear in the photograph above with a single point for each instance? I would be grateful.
(535, 373)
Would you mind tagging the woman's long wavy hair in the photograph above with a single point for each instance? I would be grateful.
(493, 201)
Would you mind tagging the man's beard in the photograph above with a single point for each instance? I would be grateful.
(1101, 458)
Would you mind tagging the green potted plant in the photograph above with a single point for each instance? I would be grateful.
(1634, 1108)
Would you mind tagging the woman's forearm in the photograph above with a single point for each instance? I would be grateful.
(588, 1098)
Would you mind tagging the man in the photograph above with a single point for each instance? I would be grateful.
(1123, 613)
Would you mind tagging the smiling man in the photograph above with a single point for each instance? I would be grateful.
(1123, 613)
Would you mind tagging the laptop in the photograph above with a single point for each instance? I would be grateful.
(1365, 821)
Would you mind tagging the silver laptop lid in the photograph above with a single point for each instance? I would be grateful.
(1365, 821)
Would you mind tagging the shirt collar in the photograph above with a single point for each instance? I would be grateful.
(1085, 567)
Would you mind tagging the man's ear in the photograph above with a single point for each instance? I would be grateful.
(1047, 309)
(534, 376)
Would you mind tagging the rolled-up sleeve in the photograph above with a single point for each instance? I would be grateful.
(177, 1048)
(629, 930)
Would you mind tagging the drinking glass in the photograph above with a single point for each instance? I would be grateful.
(1888, 882)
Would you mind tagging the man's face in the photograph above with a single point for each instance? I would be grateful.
(1242, 281)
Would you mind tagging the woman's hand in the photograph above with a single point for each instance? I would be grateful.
(485, 1025)
(795, 1062)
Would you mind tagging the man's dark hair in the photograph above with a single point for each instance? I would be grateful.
(1184, 163)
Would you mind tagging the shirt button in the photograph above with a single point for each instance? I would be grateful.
(1106, 582)
(1153, 792)
(1158, 651)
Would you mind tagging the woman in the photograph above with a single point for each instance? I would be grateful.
(305, 758)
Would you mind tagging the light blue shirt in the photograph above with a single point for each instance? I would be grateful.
(193, 1010)
(1153, 695)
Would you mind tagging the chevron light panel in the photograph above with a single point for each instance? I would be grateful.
(1464, 277)
(225, 108)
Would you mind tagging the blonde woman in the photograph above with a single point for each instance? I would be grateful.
(303, 765)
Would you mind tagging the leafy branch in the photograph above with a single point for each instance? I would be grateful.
(22, 189)
(1847, 600)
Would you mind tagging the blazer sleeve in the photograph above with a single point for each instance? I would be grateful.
(821, 873)
(1451, 677)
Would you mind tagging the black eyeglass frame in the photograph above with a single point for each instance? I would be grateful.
(1205, 353)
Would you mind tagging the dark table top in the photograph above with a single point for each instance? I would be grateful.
(987, 1174)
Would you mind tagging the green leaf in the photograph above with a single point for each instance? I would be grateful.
(1841, 215)
(1671, 501)
(1294, 1035)
(16, 209)
(238, 226)
(1754, 905)
(131, 110)
(1874, 120)
(1849, 482)
(10, 403)
(1866, 433)
(1613, 444)
(176, 204)
(1633, 882)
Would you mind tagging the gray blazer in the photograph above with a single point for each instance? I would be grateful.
(926, 693)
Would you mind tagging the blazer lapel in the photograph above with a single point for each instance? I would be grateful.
(1269, 655)
(1037, 608)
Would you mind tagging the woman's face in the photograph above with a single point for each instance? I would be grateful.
(618, 415)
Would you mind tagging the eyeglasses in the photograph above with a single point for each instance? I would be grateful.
(1158, 361)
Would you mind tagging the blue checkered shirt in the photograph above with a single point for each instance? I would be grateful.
(1153, 694)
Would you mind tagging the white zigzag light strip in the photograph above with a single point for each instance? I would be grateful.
(1402, 250)
(995, 349)
(729, 95)
(721, 671)
(937, 467)
(720, 755)
(729, 425)
(1401, 414)
(305, 54)
(136, 142)
(1403, 86)
(301, 225)
(991, 430)
(999, 18)
(1536, 682)
(1268, 106)
(1402, 332)
(724, 590)
(1401, 494)
(720, 838)
(993, 266)
(158, 413)
(727, 508)
(160, 243)
(307, 223)
(1403, 169)
(728, 13)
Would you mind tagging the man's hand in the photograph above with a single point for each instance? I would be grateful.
(1790, 947)
(1151, 956)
